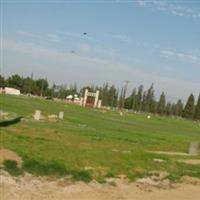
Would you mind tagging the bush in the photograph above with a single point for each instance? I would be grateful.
(45, 169)
(81, 176)
(11, 167)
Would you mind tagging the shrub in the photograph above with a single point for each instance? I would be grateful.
(11, 167)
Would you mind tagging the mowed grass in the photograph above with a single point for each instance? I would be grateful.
(90, 144)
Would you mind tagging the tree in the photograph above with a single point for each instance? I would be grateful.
(2, 82)
(197, 109)
(128, 102)
(150, 101)
(42, 85)
(27, 85)
(120, 102)
(62, 92)
(105, 94)
(112, 96)
(178, 108)
(139, 98)
(134, 99)
(168, 109)
(15, 81)
(144, 101)
(189, 108)
(161, 104)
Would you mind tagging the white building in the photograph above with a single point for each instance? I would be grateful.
(11, 91)
(69, 98)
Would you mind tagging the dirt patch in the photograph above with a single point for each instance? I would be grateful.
(192, 162)
(158, 160)
(170, 153)
(32, 188)
(6, 154)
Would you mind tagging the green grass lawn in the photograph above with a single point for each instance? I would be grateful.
(91, 144)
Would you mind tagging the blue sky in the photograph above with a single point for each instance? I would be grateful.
(141, 41)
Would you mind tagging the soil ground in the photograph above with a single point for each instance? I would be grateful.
(32, 188)
(6, 154)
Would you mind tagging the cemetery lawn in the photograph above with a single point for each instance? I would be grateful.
(91, 144)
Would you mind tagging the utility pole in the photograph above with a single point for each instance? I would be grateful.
(125, 90)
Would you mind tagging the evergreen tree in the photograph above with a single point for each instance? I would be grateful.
(149, 99)
(134, 99)
(168, 109)
(139, 98)
(144, 102)
(120, 103)
(131, 100)
(197, 109)
(153, 106)
(189, 107)
(112, 96)
(173, 108)
(128, 102)
(178, 108)
(115, 103)
(2, 82)
(105, 95)
(161, 104)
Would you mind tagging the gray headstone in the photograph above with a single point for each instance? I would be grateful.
(61, 115)
(194, 148)
(37, 115)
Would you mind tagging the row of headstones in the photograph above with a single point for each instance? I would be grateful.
(193, 149)
(37, 115)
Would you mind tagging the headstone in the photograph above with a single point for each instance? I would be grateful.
(121, 113)
(194, 148)
(52, 116)
(37, 115)
(148, 117)
(99, 104)
(81, 101)
(61, 115)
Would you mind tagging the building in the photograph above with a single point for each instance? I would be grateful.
(11, 91)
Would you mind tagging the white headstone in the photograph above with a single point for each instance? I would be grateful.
(81, 101)
(99, 104)
(61, 115)
(194, 148)
(53, 116)
(37, 115)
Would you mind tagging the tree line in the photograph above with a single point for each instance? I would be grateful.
(139, 100)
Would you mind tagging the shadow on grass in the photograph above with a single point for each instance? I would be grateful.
(54, 168)
(11, 167)
(10, 122)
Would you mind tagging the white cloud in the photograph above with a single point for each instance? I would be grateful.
(120, 37)
(22, 57)
(40, 36)
(166, 7)
(183, 57)
(87, 49)
(142, 3)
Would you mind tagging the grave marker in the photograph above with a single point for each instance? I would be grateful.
(37, 115)
(194, 148)
(61, 115)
